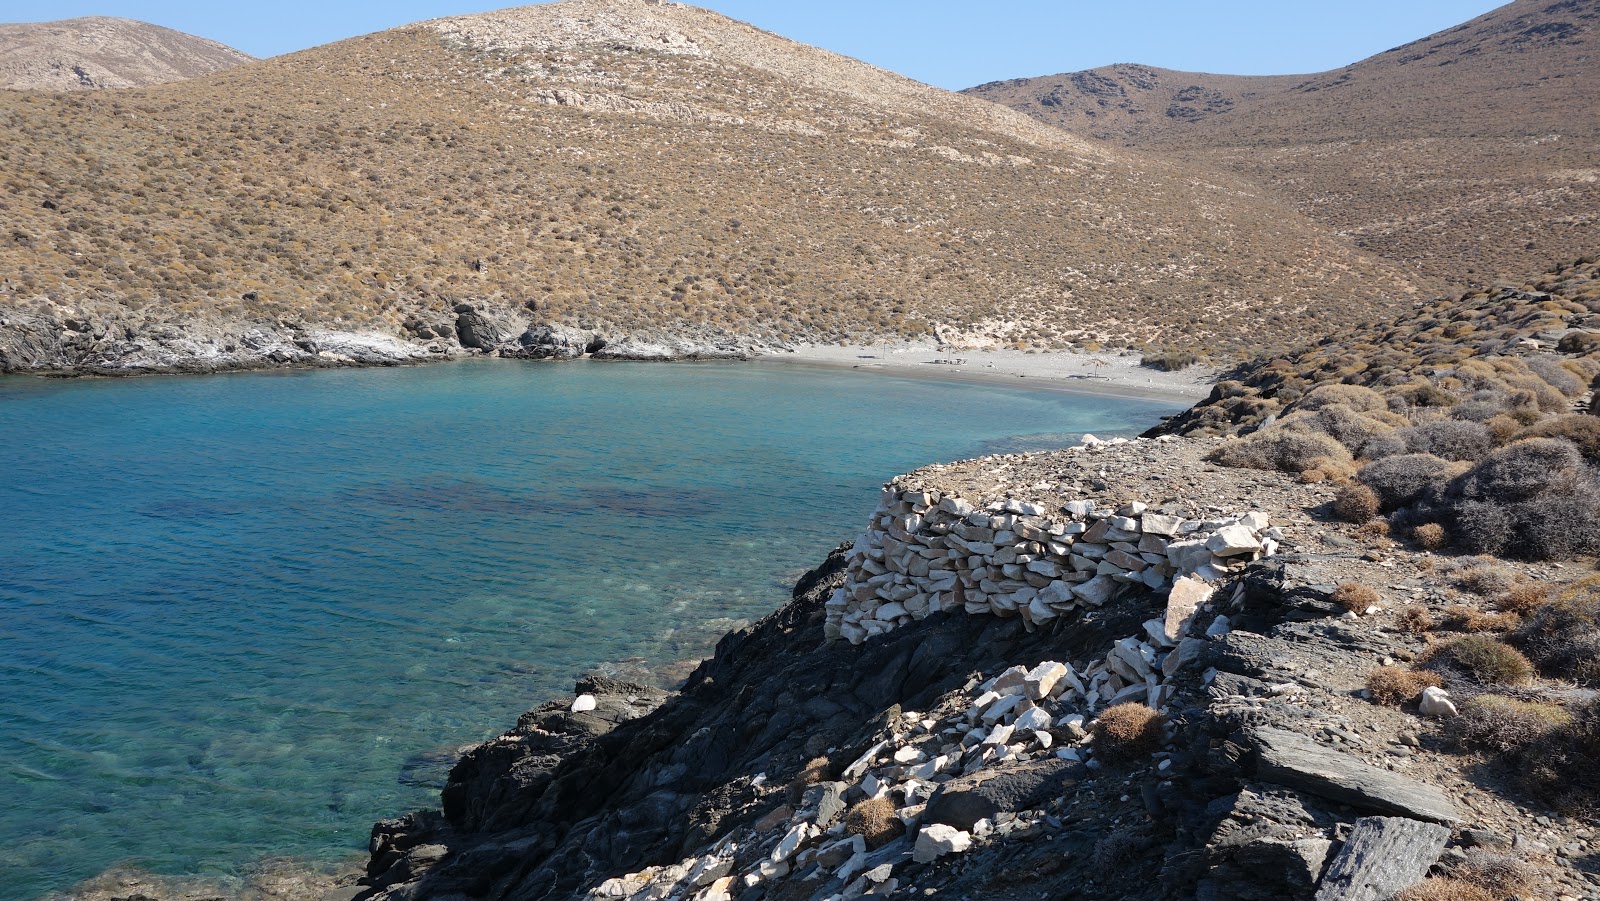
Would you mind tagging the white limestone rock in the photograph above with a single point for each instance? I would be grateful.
(936, 840)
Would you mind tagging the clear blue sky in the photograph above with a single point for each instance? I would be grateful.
(942, 42)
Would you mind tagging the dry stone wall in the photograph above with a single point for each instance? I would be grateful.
(927, 551)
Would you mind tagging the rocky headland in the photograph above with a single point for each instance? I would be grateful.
(1206, 731)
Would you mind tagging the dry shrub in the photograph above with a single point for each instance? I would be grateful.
(1392, 686)
(1436, 889)
(1486, 660)
(1451, 439)
(1356, 503)
(1563, 636)
(1502, 875)
(1401, 481)
(1504, 429)
(1583, 431)
(1534, 499)
(875, 820)
(1355, 597)
(1564, 768)
(1482, 577)
(1416, 620)
(1282, 450)
(1373, 529)
(1461, 618)
(1356, 397)
(1523, 598)
(1430, 536)
(1128, 730)
(816, 770)
(1502, 724)
(1325, 469)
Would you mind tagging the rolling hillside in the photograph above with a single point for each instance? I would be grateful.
(1472, 155)
(635, 166)
(104, 52)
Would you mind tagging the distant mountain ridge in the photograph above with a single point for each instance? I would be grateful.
(636, 167)
(1472, 154)
(104, 52)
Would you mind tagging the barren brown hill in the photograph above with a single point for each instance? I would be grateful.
(1128, 103)
(104, 52)
(1472, 155)
(631, 165)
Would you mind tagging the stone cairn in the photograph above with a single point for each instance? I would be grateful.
(927, 552)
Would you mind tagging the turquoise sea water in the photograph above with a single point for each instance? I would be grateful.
(247, 615)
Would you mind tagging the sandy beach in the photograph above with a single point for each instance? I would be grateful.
(1103, 373)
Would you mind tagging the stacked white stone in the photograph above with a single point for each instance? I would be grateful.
(926, 552)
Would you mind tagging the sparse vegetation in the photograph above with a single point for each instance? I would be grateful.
(875, 820)
(1127, 731)
(1392, 686)
(1485, 660)
(1501, 724)
(1355, 597)
(1442, 889)
(1563, 636)
(1564, 769)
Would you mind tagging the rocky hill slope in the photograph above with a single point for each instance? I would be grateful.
(629, 167)
(104, 52)
(1472, 154)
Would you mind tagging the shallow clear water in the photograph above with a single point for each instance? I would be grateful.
(237, 613)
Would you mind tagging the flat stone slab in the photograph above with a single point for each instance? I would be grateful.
(1293, 760)
(965, 800)
(1382, 856)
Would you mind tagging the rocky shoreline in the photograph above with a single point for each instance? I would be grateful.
(966, 752)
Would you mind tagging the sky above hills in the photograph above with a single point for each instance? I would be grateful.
(949, 43)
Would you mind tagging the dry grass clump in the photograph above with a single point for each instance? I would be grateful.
(1523, 598)
(1416, 620)
(1374, 529)
(1501, 724)
(1392, 686)
(1564, 768)
(1356, 503)
(1430, 536)
(875, 820)
(816, 770)
(1563, 636)
(1462, 618)
(1482, 576)
(1484, 659)
(1437, 889)
(1128, 730)
(1502, 875)
(1355, 597)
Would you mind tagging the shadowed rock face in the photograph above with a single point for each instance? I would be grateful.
(103, 52)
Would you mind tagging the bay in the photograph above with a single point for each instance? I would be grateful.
(247, 615)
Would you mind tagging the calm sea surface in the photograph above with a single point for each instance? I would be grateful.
(250, 614)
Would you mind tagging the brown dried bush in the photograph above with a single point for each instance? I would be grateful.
(1502, 875)
(1436, 889)
(1356, 503)
(1462, 618)
(875, 820)
(1430, 536)
(1523, 598)
(1416, 620)
(1483, 577)
(816, 770)
(1373, 529)
(1498, 723)
(1392, 686)
(1355, 597)
(1127, 730)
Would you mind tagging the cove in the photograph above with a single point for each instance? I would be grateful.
(247, 615)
